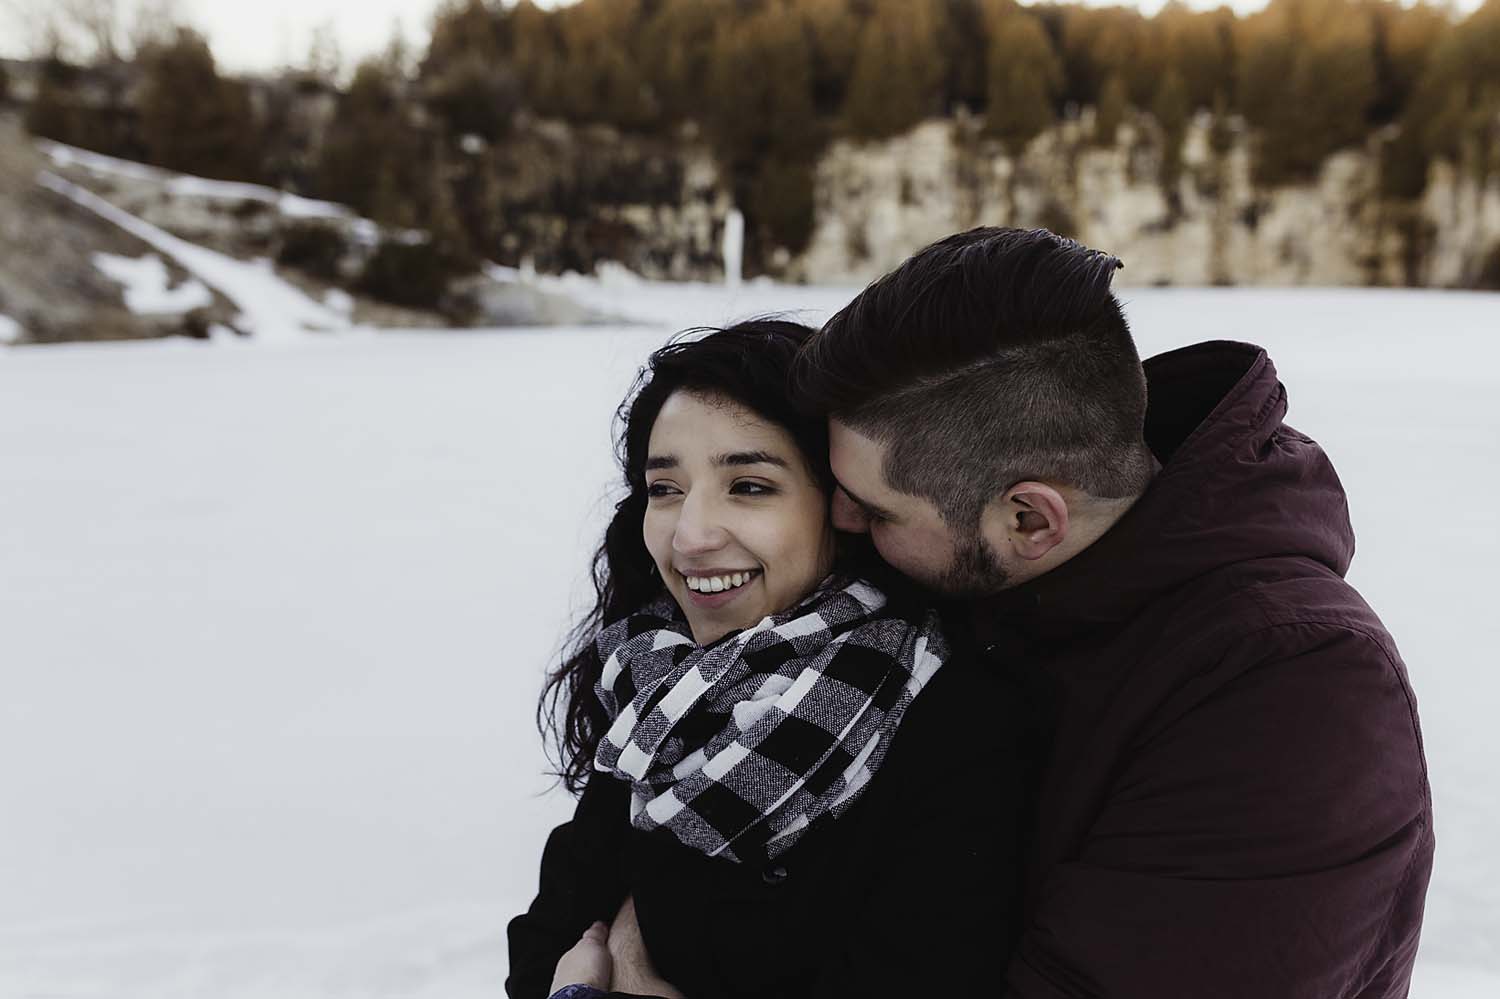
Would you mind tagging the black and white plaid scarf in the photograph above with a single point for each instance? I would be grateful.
(737, 748)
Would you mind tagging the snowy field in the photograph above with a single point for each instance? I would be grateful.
(274, 615)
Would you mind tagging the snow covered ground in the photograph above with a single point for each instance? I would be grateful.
(274, 614)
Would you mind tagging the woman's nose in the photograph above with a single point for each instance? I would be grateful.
(848, 515)
(698, 528)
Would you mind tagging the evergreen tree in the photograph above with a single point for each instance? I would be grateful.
(193, 120)
(1100, 42)
(1110, 113)
(51, 113)
(398, 57)
(1432, 118)
(833, 33)
(445, 230)
(760, 91)
(1458, 82)
(677, 51)
(781, 201)
(472, 96)
(372, 158)
(1405, 39)
(463, 29)
(1025, 77)
(325, 60)
(963, 46)
(1307, 82)
(537, 53)
(762, 123)
(898, 70)
(1221, 134)
(598, 77)
(1171, 110)
(1482, 134)
(467, 78)
(1196, 46)
(1442, 132)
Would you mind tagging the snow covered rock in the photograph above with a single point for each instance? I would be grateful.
(148, 285)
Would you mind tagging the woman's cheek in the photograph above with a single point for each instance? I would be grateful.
(806, 543)
(656, 531)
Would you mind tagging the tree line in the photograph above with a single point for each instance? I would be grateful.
(768, 83)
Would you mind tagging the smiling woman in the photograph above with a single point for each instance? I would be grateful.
(736, 519)
(772, 757)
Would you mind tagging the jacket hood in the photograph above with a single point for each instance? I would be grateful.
(1236, 484)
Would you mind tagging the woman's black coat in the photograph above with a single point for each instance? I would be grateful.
(913, 892)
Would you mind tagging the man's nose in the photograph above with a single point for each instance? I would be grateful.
(848, 515)
(698, 528)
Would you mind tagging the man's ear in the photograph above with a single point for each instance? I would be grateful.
(1031, 518)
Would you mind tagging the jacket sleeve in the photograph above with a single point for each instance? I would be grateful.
(1269, 834)
(581, 881)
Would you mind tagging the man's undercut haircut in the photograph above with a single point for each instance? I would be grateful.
(991, 357)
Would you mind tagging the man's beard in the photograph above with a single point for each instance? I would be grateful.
(976, 570)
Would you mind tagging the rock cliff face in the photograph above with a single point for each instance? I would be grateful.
(878, 202)
(52, 286)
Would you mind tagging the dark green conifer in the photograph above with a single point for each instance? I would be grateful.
(898, 69)
(1110, 113)
(192, 119)
(1171, 111)
(1025, 77)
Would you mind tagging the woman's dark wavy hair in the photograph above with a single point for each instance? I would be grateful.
(747, 363)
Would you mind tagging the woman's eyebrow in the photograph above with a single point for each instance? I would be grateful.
(749, 458)
(661, 461)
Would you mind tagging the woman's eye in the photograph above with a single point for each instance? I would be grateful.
(747, 488)
(657, 489)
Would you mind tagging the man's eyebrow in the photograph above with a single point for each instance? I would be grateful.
(749, 458)
(867, 506)
(661, 461)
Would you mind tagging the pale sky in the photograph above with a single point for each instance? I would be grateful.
(266, 34)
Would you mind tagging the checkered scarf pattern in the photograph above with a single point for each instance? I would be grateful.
(739, 747)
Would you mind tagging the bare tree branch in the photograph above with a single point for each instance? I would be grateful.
(96, 22)
(154, 21)
(37, 22)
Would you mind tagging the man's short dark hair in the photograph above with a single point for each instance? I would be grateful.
(988, 358)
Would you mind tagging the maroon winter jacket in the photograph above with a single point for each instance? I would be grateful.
(1234, 800)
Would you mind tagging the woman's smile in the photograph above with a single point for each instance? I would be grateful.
(711, 590)
(715, 580)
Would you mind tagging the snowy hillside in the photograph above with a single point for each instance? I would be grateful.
(269, 307)
(274, 614)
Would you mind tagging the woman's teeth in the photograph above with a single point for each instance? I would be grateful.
(718, 584)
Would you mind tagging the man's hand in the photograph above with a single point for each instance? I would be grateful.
(633, 970)
(588, 962)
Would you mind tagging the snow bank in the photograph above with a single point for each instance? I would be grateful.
(270, 308)
(146, 282)
(10, 330)
(339, 301)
